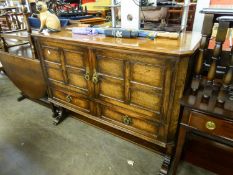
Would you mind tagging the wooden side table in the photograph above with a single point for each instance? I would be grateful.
(208, 104)
(205, 120)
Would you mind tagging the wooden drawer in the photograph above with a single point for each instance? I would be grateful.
(71, 99)
(211, 125)
(130, 122)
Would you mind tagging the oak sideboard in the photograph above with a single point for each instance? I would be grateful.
(132, 85)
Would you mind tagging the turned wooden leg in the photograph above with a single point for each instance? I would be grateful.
(165, 166)
(179, 147)
(59, 114)
(21, 98)
(206, 34)
(227, 80)
(4, 45)
(167, 161)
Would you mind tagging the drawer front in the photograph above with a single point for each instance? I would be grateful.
(211, 125)
(71, 99)
(130, 122)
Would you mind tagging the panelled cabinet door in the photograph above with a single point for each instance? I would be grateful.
(134, 82)
(77, 69)
(110, 78)
(146, 84)
(52, 62)
(68, 69)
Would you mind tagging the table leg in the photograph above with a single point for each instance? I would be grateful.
(59, 114)
(179, 147)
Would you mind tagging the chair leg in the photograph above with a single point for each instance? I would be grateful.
(4, 45)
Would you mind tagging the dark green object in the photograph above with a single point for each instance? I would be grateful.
(121, 33)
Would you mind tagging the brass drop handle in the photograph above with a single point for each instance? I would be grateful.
(68, 98)
(127, 120)
(87, 75)
(95, 78)
(210, 125)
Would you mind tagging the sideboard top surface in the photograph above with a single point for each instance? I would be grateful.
(185, 45)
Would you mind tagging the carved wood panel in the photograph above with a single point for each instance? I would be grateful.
(133, 82)
(67, 65)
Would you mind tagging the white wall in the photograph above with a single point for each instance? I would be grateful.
(199, 18)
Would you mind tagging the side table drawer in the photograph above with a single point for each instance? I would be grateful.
(211, 125)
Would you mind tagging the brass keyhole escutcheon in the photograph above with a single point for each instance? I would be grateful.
(127, 120)
(87, 76)
(210, 125)
(95, 78)
(68, 98)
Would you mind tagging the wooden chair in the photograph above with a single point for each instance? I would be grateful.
(11, 21)
(19, 36)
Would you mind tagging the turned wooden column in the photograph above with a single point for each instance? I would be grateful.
(206, 34)
(228, 76)
(220, 38)
(227, 80)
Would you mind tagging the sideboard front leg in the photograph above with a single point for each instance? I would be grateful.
(166, 165)
(21, 98)
(59, 114)
(167, 160)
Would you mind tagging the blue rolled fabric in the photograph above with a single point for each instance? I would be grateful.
(113, 32)
(76, 17)
(35, 22)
